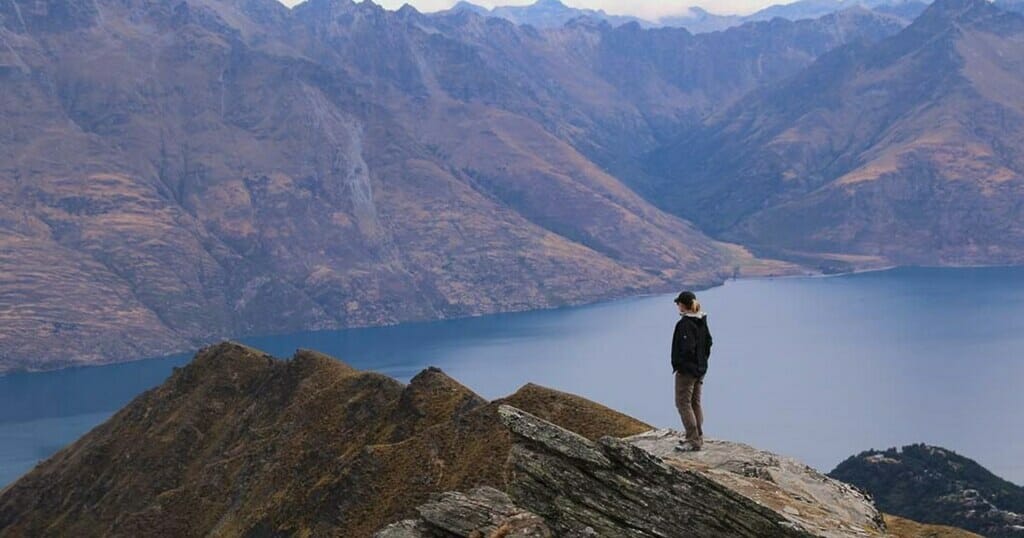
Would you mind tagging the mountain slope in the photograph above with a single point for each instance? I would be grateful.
(238, 443)
(907, 151)
(217, 158)
(935, 485)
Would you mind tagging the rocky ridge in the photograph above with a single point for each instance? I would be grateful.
(238, 443)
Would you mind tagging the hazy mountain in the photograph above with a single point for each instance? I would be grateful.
(554, 14)
(931, 484)
(906, 151)
(218, 158)
(1011, 5)
(812, 9)
(547, 14)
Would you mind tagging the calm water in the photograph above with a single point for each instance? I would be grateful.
(816, 368)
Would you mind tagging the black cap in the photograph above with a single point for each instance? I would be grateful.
(686, 297)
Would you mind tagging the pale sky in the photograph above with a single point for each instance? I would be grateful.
(647, 9)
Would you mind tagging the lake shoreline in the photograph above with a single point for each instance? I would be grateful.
(810, 274)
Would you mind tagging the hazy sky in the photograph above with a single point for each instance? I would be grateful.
(648, 9)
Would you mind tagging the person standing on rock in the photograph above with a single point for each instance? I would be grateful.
(691, 347)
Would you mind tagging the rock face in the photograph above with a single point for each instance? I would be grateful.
(484, 512)
(935, 485)
(615, 488)
(641, 486)
(907, 151)
(823, 506)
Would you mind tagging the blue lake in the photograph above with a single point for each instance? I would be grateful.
(815, 368)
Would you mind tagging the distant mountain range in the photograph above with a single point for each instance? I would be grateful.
(935, 485)
(553, 13)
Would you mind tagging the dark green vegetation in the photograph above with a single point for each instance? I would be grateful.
(934, 485)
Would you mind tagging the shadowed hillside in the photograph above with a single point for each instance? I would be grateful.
(935, 485)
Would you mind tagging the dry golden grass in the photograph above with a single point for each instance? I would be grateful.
(905, 528)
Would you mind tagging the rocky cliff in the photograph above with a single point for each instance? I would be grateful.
(240, 444)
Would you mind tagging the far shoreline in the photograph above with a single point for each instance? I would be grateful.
(810, 274)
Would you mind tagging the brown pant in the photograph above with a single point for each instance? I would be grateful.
(688, 390)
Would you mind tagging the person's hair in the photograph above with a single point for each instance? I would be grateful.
(689, 300)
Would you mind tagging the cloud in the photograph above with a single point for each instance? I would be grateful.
(647, 9)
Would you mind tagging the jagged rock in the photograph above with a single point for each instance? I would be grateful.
(483, 512)
(823, 506)
(613, 488)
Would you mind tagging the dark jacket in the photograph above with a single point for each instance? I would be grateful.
(691, 346)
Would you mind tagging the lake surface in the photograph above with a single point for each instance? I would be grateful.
(815, 368)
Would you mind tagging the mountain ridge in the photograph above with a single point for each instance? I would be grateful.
(240, 443)
(545, 14)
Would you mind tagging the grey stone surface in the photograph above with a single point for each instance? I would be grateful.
(561, 484)
(823, 506)
(614, 488)
(482, 513)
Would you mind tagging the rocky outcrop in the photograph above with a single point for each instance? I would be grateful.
(483, 512)
(823, 506)
(640, 486)
(614, 488)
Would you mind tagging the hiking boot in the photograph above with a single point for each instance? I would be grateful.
(688, 446)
